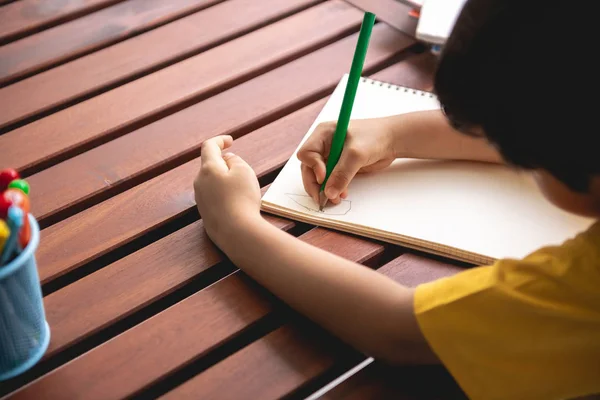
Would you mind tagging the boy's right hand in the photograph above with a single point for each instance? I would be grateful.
(369, 147)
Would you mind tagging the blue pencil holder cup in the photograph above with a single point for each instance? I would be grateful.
(24, 332)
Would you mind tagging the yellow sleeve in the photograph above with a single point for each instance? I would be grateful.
(525, 329)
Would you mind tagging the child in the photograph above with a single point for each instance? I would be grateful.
(519, 329)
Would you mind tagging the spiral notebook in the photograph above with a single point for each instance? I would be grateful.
(471, 212)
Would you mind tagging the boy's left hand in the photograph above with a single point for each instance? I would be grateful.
(226, 190)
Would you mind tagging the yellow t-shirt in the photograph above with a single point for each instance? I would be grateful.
(520, 329)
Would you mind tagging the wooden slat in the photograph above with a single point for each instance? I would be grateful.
(67, 41)
(145, 275)
(24, 17)
(191, 79)
(415, 72)
(118, 290)
(181, 135)
(276, 355)
(134, 212)
(269, 368)
(412, 270)
(132, 57)
(378, 381)
(392, 12)
(95, 231)
(178, 335)
(100, 303)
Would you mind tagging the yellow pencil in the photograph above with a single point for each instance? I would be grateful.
(4, 234)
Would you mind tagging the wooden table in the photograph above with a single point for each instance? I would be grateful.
(103, 107)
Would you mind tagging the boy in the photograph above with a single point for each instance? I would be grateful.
(519, 329)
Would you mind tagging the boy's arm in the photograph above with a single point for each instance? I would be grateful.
(362, 307)
(428, 135)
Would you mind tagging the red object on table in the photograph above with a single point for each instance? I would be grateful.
(7, 176)
(4, 204)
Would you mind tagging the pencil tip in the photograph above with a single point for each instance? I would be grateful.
(322, 201)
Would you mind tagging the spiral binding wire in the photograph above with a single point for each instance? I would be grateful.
(399, 88)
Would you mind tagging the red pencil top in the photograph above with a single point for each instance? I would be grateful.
(414, 13)
(6, 177)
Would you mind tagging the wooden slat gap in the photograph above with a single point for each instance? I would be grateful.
(192, 292)
(200, 282)
(346, 362)
(5, 2)
(125, 185)
(204, 280)
(143, 176)
(184, 219)
(147, 71)
(191, 154)
(57, 21)
(185, 200)
(280, 317)
(280, 314)
(252, 333)
(153, 117)
(105, 44)
(179, 221)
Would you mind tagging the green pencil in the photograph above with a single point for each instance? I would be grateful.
(339, 137)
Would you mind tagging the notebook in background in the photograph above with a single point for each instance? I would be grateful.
(413, 3)
(472, 212)
(436, 20)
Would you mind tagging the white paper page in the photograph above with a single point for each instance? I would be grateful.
(484, 209)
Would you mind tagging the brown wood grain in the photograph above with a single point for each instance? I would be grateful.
(286, 359)
(121, 288)
(132, 57)
(69, 40)
(269, 368)
(26, 16)
(415, 72)
(95, 231)
(182, 134)
(392, 12)
(130, 214)
(178, 335)
(412, 270)
(157, 346)
(195, 77)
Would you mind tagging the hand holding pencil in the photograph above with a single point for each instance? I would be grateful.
(369, 147)
(336, 145)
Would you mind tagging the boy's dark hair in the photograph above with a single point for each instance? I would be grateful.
(509, 68)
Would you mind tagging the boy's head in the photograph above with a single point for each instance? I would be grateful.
(508, 73)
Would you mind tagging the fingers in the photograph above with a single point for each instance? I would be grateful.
(341, 197)
(234, 162)
(345, 170)
(316, 148)
(212, 149)
(311, 185)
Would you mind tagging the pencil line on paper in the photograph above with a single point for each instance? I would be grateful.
(307, 203)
